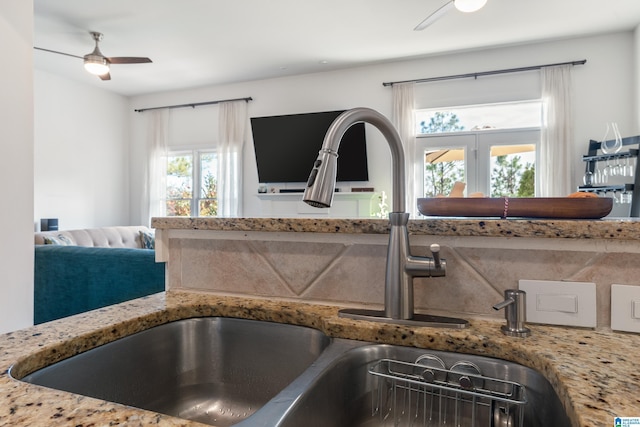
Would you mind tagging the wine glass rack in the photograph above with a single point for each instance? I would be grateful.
(593, 157)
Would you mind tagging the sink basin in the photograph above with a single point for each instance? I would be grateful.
(247, 373)
(347, 395)
(217, 371)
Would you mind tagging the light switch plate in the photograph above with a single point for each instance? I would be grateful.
(560, 303)
(625, 308)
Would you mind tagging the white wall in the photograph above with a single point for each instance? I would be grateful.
(16, 173)
(603, 92)
(636, 75)
(81, 154)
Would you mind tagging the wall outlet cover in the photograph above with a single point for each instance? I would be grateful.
(625, 308)
(560, 303)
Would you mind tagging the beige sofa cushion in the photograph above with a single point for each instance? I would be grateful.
(110, 237)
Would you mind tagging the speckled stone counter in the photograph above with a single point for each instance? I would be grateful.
(595, 373)
(620, 229)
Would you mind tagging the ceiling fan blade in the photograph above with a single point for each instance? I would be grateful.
(59, 53)
(435, 16)
(128, 60)
(105, 77)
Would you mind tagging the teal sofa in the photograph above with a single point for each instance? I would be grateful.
(73, 279)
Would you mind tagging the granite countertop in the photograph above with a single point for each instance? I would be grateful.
(618, 229)
(595, 373)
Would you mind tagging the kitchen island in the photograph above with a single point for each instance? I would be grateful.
(594, 372)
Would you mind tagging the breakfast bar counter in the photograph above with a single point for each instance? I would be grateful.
(615, 228)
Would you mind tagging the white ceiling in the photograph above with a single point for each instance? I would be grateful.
(197, 43)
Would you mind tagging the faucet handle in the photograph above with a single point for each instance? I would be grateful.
(435, 252)
(438, 265)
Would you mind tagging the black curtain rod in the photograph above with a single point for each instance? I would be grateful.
(194, 105)
(485, 73)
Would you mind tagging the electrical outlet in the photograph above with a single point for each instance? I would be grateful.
(560, 303)
(625, 308)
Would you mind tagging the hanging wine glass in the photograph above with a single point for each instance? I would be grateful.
(588, 178)
(625, 167)
(606, 172)
(597, 175)
(616, 170)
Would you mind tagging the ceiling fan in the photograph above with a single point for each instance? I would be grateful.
(461, 5)
(98, 64)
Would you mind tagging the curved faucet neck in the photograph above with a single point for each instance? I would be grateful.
(367, 115)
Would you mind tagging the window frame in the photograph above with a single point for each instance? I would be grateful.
(196, 176)
(477, 145)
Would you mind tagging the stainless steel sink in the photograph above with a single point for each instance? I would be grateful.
(346, 394)
(212, 370)
(223, 371)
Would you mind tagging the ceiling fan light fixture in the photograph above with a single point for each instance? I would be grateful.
(469, 5)
(96, 65)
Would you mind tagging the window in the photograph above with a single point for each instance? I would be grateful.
(492, 148)
(504, 115)
(191, 187)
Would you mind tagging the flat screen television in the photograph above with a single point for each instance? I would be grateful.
(287, 146)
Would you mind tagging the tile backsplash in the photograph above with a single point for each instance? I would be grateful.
(345, 269)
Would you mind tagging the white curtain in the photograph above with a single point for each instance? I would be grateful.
(154, 186)
(404, 119)
(557, 133)
(232, 122)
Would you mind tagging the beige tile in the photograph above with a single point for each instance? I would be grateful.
(228, 266)
(174, 266)
(463, 291)
(354, 273)
(504, 267)
(356, 277)
(298, 263)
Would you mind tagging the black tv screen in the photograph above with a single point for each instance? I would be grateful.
(287, 146)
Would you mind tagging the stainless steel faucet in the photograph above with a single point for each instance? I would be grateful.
(402, 267)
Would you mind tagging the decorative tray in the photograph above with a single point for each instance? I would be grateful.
(526, 207)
